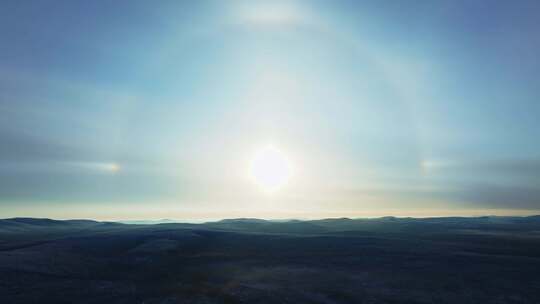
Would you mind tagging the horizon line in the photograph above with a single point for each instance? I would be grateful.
(201, 221)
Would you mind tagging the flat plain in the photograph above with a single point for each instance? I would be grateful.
(383, 260)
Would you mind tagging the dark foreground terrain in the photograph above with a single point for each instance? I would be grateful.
(386, 260)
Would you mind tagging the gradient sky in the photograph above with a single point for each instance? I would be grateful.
(153, 109)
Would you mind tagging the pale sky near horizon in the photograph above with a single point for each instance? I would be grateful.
(157, 109)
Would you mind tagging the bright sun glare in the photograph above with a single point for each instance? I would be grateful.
(271, 169)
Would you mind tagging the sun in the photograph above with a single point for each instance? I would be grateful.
(270, 169)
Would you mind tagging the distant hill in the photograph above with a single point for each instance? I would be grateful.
(47, 226)
(329, 225)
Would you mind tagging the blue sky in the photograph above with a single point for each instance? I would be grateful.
(138, 109)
